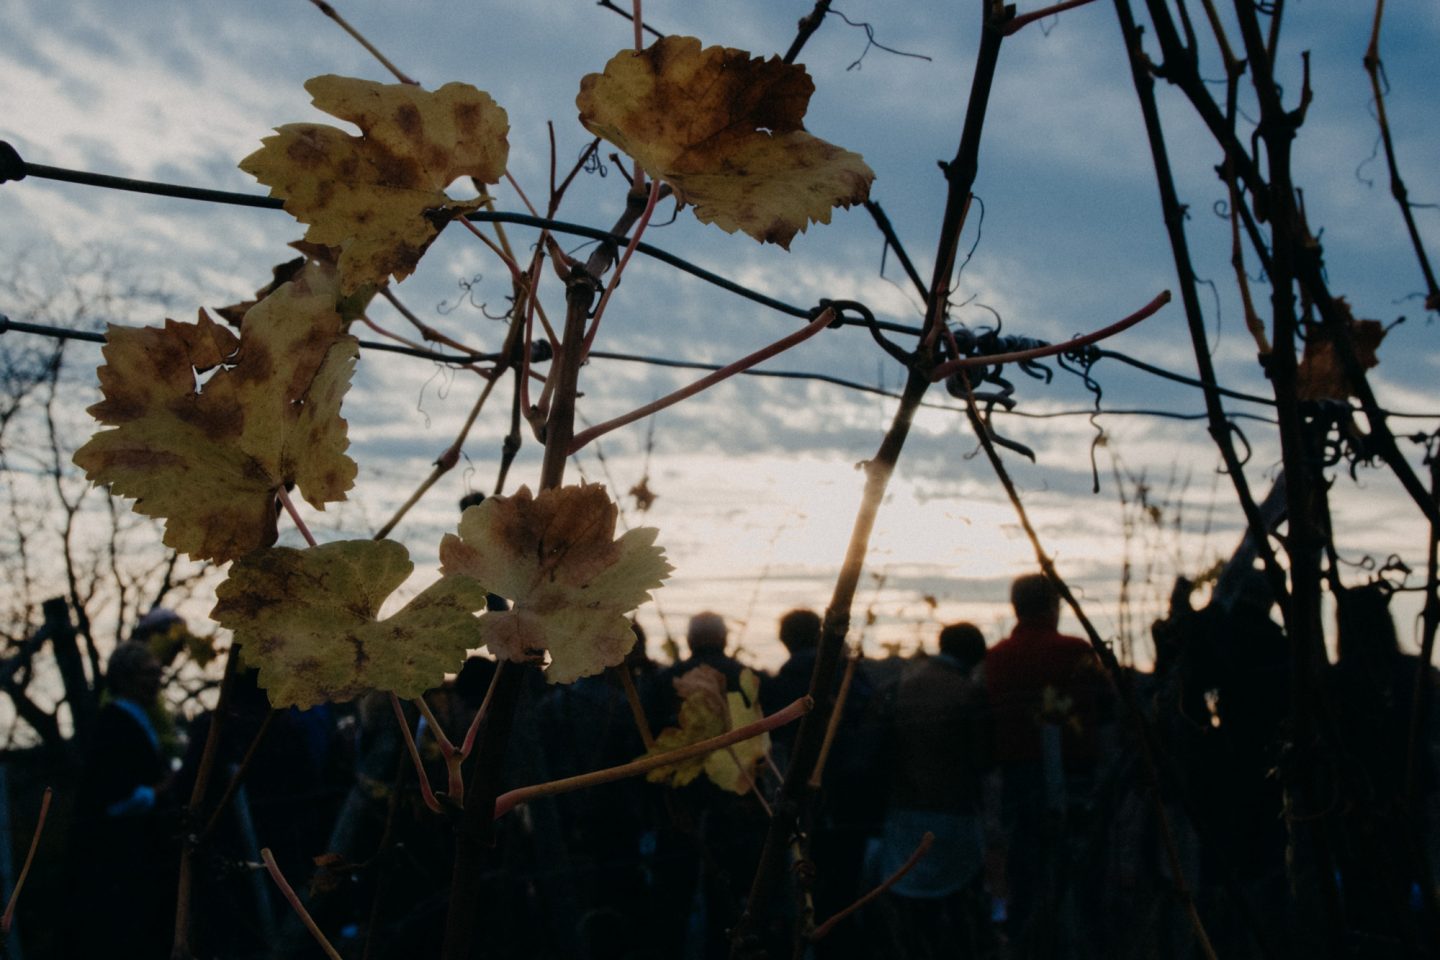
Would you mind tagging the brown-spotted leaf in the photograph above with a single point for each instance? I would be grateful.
(571, 582)
(733, 768)
(702, 716)
(1321, 375)
(708, 710)
(380, 197)
(210, 459)
(310, 620)
(725, 131)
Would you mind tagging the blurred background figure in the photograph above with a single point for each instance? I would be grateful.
(123, 858)
(939, 747)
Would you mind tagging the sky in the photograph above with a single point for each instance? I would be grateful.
(756, 480)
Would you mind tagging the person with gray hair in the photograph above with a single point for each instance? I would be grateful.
(706, 636)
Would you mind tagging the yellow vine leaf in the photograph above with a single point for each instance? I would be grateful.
(310, 620)
(210, 459)
(725, 131)
(571, 582)
(380, 197)
(707, 710)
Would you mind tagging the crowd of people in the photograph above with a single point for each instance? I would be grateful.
(1050, 837)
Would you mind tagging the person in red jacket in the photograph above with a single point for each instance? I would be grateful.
(1044, 690)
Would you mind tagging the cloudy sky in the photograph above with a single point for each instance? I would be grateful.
(756, 479)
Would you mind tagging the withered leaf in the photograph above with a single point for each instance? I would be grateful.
(380, 197)
(1322, 375)
(725, 131)
(310, 620)
(210, 459)
(556, 557)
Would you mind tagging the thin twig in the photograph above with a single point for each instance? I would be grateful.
(426, 792)
(292, 898)
(614, 283)
(926, 842)
(288, 504)
(806, 29)
(1375, 67)
(237, 778)
(991, 359)
(8, 918)
(469, 742)
(610, 5)
(447, 460)
(513, 798)
(209, 754)
(834, 726)
(637, 709)
(724, 373)
(1025, 19)
(331, 12)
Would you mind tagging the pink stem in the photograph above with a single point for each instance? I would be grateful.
(289, 506)
(293, 899)
(705, 382)
(890, 881)
(510, 264)
(480, 714)
(515, 184)
(9, 916)
(508, 801)
(985, 360)
(1025, 19)
(425, 791)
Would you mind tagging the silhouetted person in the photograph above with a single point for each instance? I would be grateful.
(123, 859)
(800, 635)
(1373, 686)
(939, 750)
(711, 841)
(1044, 691)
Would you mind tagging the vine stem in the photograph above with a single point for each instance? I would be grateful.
(724, 373)
(817, 775)
(293, 898)
(984, 360)
(415, 345)
(180, 945)
(510, 264)
(8, 918)
(637, 709)
(513, 798)
(333, 14)
(926, 842)
(289, 505)
(413, 749)
(474, 829)
(423, 328)
(238, 778)
(469, 742)
(795, 793)
(650, 200)
(1026, 19)
(449, 457)
(1375, 67)
(1174, 217)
